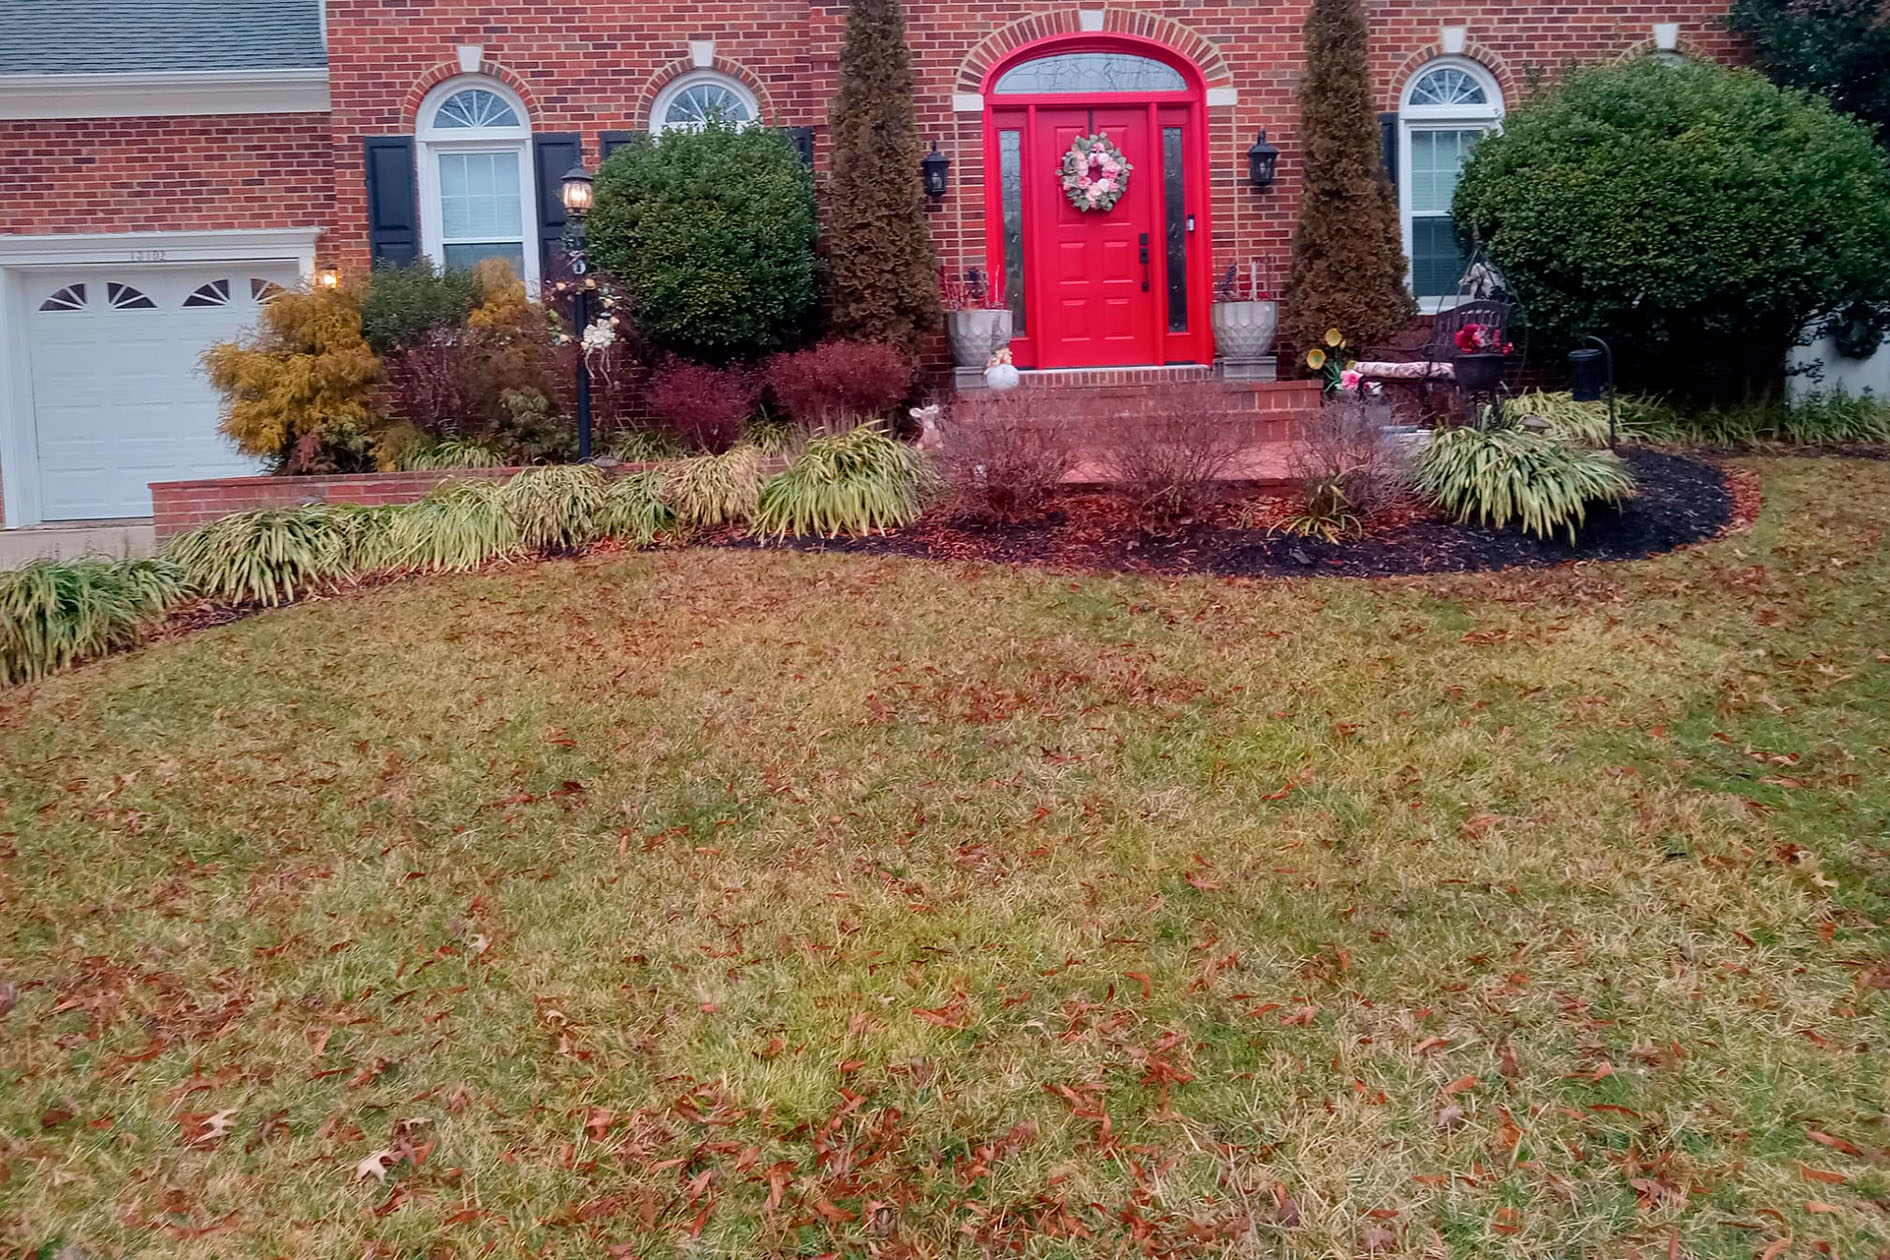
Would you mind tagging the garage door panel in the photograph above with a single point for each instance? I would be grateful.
(119, 394)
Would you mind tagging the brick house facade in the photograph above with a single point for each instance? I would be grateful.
(231, 152)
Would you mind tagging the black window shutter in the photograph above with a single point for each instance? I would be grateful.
(552, 156)
(608, 142)
(393, 203)
(803, 138)
(1388, 146)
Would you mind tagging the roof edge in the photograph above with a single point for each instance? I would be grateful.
(163, 93)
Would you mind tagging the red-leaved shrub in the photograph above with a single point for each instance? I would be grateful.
(704, 405)
(1000, 458)
(838, 383)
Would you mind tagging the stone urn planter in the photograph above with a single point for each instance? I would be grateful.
(976, 335)
(1243, 339)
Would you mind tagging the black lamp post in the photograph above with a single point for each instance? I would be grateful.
(1592, 371)
(577, 202)
(1262, 161)
(935, 166)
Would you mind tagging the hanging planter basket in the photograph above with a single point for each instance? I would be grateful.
(1094, 173)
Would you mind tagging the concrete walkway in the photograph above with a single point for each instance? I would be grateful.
(70, 539)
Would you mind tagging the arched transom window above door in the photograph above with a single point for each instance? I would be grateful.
(1071, 73)
(476, 193)
(1447, 106)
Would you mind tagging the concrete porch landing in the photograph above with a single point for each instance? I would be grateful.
(67, 540)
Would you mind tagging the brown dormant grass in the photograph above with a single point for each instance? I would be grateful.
(716, 903)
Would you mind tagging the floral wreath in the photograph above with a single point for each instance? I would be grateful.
(1094, 173)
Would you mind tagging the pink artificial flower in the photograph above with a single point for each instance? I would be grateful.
(1106, 184)
(1349, 379)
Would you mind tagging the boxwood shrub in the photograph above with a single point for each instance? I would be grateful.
(711, 233)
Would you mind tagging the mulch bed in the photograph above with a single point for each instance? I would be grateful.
(1681, 499)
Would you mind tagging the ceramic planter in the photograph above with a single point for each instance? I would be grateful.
(1243, 331)
(977, 335)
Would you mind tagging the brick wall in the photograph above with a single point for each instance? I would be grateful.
(597, 66)
(164, 174)
(180, 506)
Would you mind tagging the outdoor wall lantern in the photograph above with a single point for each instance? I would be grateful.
(328, 276)
(1591, 369)
(936, 167)
(1262, 160)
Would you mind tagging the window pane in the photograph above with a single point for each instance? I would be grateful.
(1437, 158)
(1092, 72)
(479, 196)
(466, 257)
(474, 108)
(1175, 208)
(1448, 85)
(707, 102)
(1437, 265)
(1011, 186)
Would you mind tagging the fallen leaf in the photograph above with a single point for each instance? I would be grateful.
(1459, 1085)
(374, 1166)
(1813, 1205)
(1821, 1174)
(1450, 1118)
(1835, 1143)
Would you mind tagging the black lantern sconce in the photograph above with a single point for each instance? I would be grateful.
(328, 276)
(1591, 369)
(935, 166)
(577, 191)
(1262, 161)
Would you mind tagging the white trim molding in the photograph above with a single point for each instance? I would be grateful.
(968, 102)
(1667, 36)
(19, 458)
(164, 94)
(1217, 96)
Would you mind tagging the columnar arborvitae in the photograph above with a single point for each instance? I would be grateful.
(880, 273)
(1348, 252)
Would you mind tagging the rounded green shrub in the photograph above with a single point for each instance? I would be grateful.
(1698, 217)
(711, 233)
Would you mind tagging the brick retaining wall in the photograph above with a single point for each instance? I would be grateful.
(180, 506)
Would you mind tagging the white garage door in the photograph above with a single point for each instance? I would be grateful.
(119, 396)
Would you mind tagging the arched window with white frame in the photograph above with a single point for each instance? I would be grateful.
(477, 199)
(1446, 108)
(691, 101)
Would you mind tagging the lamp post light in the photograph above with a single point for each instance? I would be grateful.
(1592, 370)
(577, 203)
(1263, 160)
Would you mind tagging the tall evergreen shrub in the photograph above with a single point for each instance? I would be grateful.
(879, 255)
(1348, 251)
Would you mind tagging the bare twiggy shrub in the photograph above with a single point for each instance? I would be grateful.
(1002, 457)
(1346, 455)
(1168, 451)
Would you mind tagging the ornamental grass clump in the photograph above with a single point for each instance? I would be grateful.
(1494, 476)
(555, 507)
(268, 556)
(450, 453)
(847, 483)
(54, 613)
(633, 509)
(714, 490)
(1583, 423)
(459, 526)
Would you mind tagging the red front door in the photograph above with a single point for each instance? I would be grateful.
(1096, 267)
(1127, 286)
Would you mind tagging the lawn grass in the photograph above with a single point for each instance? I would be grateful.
(737, 903)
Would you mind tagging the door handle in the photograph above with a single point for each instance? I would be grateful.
(1144, 245)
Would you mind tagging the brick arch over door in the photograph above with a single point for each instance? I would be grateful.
(410, 106)
(654, 85)
(1190, 44)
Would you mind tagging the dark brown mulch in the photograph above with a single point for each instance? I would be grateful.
(1681, 499)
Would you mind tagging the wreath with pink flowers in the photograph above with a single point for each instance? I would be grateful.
(1094, 173)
